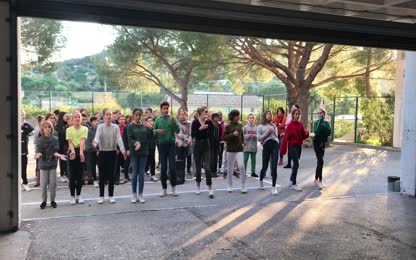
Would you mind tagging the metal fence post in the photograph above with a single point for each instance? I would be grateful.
(92, 101)
(263, 106)
(133, 98)
(356, 120)
(207, 100)
(50, 101)
(333, 119)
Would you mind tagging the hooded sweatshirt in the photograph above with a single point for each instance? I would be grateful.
(47, 146)
(251, 141)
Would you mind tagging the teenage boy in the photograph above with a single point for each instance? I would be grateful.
(165, 127)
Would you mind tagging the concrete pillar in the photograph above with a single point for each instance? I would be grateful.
(398, 93)
(408, 155)
(9, 134)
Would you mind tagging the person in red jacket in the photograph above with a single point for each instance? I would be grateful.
(292, 141)
(280, 123)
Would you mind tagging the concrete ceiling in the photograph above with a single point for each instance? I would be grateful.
(373, 23)
(401, 11)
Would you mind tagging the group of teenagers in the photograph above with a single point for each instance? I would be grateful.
(205, 141)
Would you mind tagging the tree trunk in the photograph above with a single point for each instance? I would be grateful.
(367, 73)
(303, 101)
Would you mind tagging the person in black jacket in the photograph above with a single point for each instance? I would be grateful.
(214, 143)
(26, 131)
(63, 144)
(200, 129)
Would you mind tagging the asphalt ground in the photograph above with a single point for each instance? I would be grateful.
(352, 218)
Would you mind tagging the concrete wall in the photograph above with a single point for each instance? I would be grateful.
(9, 172)
(408, 155)
(398, 93)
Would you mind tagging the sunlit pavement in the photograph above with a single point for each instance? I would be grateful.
(352, 218)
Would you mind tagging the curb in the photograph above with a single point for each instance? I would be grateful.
(384, 148)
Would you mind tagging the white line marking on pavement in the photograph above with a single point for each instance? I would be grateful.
(145, 195)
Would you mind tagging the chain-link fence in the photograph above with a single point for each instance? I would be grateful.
(353, 119)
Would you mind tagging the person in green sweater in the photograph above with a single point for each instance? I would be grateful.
(165, 127)
(322, 130)
(138, 138)
(233, 136)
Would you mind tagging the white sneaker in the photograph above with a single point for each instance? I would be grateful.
(112, 200)
(141, 199)
(229, 189)
(100, 200)
(63, 179)
(96, 185)
(133, 198)
(174, 191)
(154, 178)
(72, 201)
(261, 185)
(321, 185)
(316, 183)
(243, 189)
(296, 188)
(80, 199)
(211, 193)
(274, 191)
(164, 193)
(198, 190)
(26, 187)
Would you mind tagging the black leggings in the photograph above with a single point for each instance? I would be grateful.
(151, 162)
(107, 166)
(201, 154)
(319, 148)
(24, 169)
(75, 174)
(294, 152)
(270, 154)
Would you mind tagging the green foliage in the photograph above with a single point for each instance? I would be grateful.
(43, 38)
(32, 112)
(343, 127)
(378, 120)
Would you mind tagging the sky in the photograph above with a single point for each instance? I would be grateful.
(82, 39)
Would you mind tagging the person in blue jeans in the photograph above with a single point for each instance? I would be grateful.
(165, 127)
(138, 137)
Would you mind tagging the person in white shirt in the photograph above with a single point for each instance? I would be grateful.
(106, 139)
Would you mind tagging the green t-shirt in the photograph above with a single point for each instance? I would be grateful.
(166, 125)
(75, 135)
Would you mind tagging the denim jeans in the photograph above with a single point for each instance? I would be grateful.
(138, 163)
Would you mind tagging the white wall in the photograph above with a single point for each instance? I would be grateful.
(408, 155)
